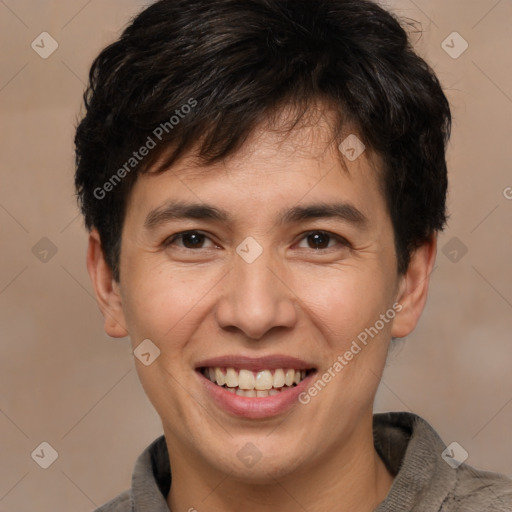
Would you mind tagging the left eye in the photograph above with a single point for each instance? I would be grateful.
(320, 239)
(190, 239)
(316, 240)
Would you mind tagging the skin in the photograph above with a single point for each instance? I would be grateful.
(294, 299)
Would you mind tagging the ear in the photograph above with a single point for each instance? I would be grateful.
(106, 288)
(413, 288)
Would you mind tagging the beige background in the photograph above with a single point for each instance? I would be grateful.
(65, 382)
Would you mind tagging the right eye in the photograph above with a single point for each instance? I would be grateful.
(189, 239)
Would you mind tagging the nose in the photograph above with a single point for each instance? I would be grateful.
(256, 298)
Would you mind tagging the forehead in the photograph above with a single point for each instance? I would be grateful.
(288, 133)
(275, 167)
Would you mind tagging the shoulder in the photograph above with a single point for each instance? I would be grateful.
(121, 503)
(151, 480)
(484, 491)
(430, 478)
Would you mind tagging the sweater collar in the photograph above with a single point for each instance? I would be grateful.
(411, 450)
(408, 445)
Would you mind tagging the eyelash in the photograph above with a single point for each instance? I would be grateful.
(179, 236)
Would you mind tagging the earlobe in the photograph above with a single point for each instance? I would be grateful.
(413, 288)
(105, 287)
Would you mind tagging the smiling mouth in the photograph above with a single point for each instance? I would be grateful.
(250, 383)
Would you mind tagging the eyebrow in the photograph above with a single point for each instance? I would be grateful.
(176, 210)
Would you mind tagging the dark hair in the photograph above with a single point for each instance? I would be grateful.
(201, 74)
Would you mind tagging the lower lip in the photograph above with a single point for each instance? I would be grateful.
(255, 407)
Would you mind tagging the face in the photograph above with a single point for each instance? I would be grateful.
(277, 259)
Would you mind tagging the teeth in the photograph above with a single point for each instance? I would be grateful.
(254, 393)
(246, 379)
(279, 378)
(264, 380)
(219, 377)
(231, 378)
(247, 383)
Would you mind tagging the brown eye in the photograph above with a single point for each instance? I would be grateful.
(189, 240)
(318, 240)
(321, 239)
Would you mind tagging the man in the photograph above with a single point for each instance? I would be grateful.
(264, 181)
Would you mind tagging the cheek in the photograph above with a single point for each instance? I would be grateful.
(343, 301)
(162, 305)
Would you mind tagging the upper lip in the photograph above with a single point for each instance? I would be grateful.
(256, 363)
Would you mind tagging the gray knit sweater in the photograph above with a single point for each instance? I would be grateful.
(410, 448)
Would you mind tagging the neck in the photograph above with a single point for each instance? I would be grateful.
(351, 477)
